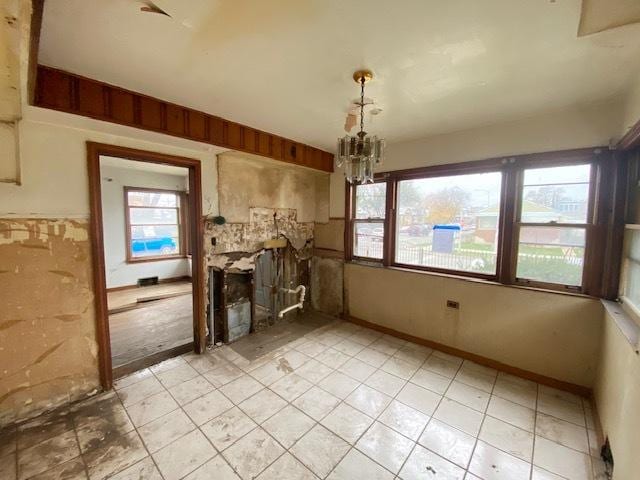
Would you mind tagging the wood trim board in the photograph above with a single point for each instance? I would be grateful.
(67, 92)
(479, 359)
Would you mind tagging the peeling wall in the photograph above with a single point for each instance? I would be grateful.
(48, 352)
(250, 237)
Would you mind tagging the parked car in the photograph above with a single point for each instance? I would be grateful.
(153, 246)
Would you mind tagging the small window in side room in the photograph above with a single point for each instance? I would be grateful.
(449, 223)
(554, 225)
(369, 220)
(154, 225)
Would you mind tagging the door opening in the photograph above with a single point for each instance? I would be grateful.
(146, 226)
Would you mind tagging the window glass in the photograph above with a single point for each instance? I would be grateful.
(630, 288)
(152, 199)
(551, 254)
(449, 222)
(368, 239)
(153, 216)
(154, 224)
(556, 194)
(371, 200)
(368, 226)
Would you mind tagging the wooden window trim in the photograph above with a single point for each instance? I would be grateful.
(353, 221)
(182, 239)
(604, 171)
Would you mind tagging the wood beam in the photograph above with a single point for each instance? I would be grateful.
(67, 92)
(37, 9)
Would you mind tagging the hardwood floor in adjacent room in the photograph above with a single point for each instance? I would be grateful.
(148, 320)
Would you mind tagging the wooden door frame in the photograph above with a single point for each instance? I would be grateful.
(94, 151)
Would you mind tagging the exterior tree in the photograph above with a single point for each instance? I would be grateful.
(445, 205)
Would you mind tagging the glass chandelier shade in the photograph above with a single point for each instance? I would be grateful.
(361, 153)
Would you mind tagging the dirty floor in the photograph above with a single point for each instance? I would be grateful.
(154, 327)
(342, 402)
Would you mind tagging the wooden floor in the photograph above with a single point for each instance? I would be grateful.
(139, 329)
(120, 300)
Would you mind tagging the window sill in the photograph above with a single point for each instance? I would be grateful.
(627, 326)
(470, 279)
(155, 259)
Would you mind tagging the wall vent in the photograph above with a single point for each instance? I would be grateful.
(145, 282)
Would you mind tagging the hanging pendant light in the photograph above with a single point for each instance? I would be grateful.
(360, 153)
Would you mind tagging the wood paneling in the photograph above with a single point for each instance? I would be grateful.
(59, 90)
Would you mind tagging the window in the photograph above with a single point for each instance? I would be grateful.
(369, 220)
(534, 220)
(554, 216)
(154, 224)
(449, 222)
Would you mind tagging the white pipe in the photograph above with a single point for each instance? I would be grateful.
(300, 288)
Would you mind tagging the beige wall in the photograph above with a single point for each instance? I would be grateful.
(617, 397)
(577, 127)
(330, 235)
(549, 334)
(632, 106)
(48, 351)
(545, 333)
(53, 163)
(248, 181)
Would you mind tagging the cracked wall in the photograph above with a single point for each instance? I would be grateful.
(48, 352)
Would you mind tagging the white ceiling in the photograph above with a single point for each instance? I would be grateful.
(116, 162)
(285, 66)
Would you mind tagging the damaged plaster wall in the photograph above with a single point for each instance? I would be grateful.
(262, 199)
(248, 181)
(42, 308)
(327, 281)
(48, 351)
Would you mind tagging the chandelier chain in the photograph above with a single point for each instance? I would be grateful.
(362, 80)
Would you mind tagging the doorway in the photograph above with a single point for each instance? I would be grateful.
(146, 233)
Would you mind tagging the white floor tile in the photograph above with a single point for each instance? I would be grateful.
(448, 442)
(389, 448)
(425, 464)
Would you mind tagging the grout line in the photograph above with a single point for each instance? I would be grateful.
(343, 337)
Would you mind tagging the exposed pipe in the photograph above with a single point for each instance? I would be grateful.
(300, 288)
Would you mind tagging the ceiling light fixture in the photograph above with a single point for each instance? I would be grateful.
(360, 153)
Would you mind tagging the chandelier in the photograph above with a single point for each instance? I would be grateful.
(360, 153)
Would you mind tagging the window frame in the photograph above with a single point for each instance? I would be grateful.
(600, 204)
(354, 221)
(182, 233)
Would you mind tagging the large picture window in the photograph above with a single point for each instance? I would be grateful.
(534, 220)
(449, 222)
(154, 224)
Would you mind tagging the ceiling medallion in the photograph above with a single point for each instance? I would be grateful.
(360, 153)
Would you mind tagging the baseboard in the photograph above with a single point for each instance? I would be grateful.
(488, 362)
(161, 281)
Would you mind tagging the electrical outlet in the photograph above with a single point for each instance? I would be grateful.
(453, 304)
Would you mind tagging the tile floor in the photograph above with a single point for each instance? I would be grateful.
(342, 402)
